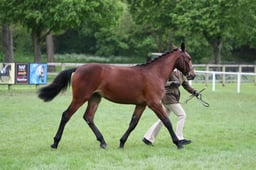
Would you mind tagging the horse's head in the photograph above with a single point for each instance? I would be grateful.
(184, 63)
(40, 72)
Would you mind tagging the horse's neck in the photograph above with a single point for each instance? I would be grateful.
(164, 66)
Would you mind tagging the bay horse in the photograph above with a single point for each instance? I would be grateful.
(141, 85)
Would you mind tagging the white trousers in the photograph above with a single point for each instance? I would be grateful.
(155, 128)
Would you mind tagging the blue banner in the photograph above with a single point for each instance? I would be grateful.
(38, 73)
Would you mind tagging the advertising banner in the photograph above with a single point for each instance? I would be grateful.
(22, 73)
(37, 73)
(7, 71)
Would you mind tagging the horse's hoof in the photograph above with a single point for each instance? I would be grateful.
(180, 146)
(121, 146)
(54, 146)
(103, 146)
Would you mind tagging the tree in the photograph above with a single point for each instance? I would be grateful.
(217, 20)
(7, 43)
(43, 17)
(245, 33)
(6, 35)
(157, 19)
(50, 51)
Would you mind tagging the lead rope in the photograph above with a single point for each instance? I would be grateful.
(199, 97)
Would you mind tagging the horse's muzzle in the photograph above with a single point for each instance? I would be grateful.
(190, 76)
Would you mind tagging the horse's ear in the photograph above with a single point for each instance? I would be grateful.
(183, 46)
(174, 46)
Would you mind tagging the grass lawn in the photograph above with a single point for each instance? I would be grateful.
(223, 135)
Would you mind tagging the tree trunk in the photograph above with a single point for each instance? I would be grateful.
(37, 47)
(8, 43)
(217, 45)
(50, 51)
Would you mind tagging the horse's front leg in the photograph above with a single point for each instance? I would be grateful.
(134, 121)
(89, 116)
(161, 114)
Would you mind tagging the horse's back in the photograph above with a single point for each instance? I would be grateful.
(107, 71)
(121, 84)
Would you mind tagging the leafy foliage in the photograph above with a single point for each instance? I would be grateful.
(42, 17)
(217, 21)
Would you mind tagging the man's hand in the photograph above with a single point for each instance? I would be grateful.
(195, 93)
(175, 84)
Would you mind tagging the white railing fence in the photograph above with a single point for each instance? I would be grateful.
(214, 77)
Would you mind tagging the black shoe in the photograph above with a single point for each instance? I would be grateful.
(147, 142)
(185, 141)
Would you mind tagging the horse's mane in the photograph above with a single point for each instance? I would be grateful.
(153, 60)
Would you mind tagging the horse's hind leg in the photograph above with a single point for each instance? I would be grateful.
(64, 119)
(134, 121)
(93, 103)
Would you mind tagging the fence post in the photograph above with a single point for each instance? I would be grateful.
(240, 69)
(213, 81)
(206, 75)
(238, 81)
(255, 76)
(223, 75)
(9, 87)
(62, 66)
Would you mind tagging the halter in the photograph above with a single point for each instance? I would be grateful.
(184, 55)
(199, 97)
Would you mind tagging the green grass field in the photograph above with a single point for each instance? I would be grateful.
(223, 135)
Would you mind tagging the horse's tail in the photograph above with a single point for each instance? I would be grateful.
(60, 83)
